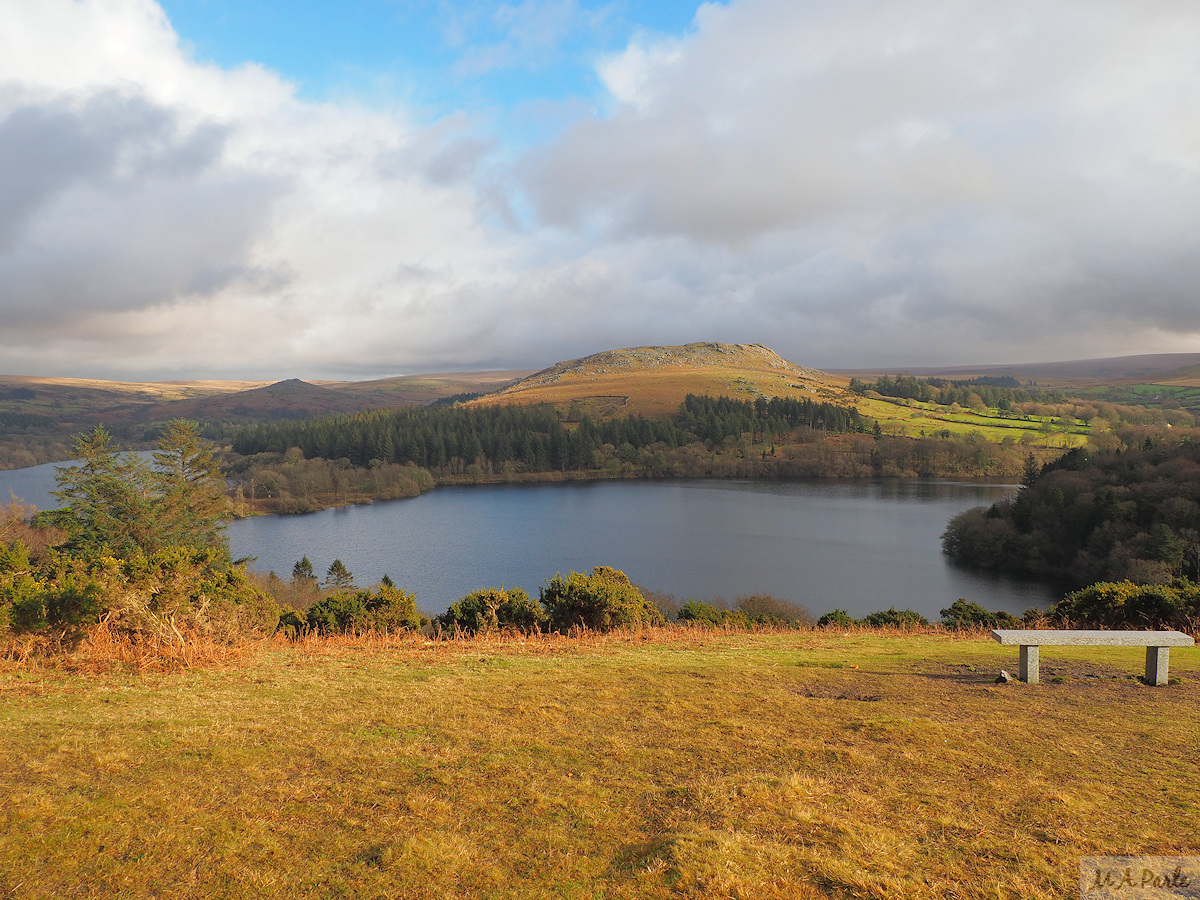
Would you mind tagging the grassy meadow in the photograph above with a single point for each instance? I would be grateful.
(912, 418)
(665, 763)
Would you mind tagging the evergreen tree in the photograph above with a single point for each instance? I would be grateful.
(302, 572)
(116, 503)
(339, 577)
(193, 507)
(108, 500)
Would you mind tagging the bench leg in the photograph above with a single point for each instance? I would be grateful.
(1156, 665)
(1029, 664)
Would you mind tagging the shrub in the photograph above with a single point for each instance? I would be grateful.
(964, 614)
(291, 624)
(338, 613)
(172, 590)
(492, 609)
(667, 604)
(701, 613)
(384, 609)
(763, 609)
(1124, 604)
(837, 618)
(74, 606)
(894, 618)
(601, 601)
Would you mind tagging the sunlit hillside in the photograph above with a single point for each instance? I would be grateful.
(654, 380)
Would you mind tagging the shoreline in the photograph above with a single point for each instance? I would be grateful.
(298, 506)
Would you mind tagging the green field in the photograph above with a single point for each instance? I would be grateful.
(668, 764)
(913, 418)
(1185, 395)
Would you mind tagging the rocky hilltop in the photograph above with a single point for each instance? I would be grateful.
(654, 380)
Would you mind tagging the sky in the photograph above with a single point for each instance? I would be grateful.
(265, 189)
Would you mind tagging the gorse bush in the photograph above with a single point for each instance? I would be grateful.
(165, 594)
(1124, 604)
(493, 609)
(385, 608)
(894, 618)
(887, 618)
(837, 618)
(764, 609)
(699, 612)
(963, 614)
(749, 611)
(601, 601)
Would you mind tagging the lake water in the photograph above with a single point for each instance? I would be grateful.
(857, 546)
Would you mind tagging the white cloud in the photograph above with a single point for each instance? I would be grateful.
(913, 182)
(159, 215)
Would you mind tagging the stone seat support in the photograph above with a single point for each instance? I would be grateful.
(1157, 644)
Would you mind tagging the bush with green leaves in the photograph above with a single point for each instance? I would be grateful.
(290, 624)
(386, 608)
(493, 609)
(837, 618)
(1123, 604)
(964, 614)
(601, 601)
(165, 593)
(894, 618)
(697, 612)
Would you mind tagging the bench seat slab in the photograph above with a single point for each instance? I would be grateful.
(1054, 636)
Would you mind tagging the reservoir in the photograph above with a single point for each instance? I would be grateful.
(859, 546)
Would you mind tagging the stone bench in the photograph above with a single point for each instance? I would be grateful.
(1157, 644)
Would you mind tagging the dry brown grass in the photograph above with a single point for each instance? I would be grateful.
(660, 763)
(104, 650)
(653, 381)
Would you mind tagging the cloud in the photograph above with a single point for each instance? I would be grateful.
(108, 204)
(159, 216)
(987, 173)
(918, 182)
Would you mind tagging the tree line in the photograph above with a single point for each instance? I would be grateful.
(995, 392)
(531, 438)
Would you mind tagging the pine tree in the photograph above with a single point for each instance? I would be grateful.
(1033, 471)
(302, 573)
(193, 508)
(115, 502)
(339, 577)
(108, 500)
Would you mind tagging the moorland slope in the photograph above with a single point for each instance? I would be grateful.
(654, 380)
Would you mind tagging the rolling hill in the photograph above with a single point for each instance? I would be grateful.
(38, 415)
(654, 380)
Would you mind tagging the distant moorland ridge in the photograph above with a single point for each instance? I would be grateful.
(39, 414)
